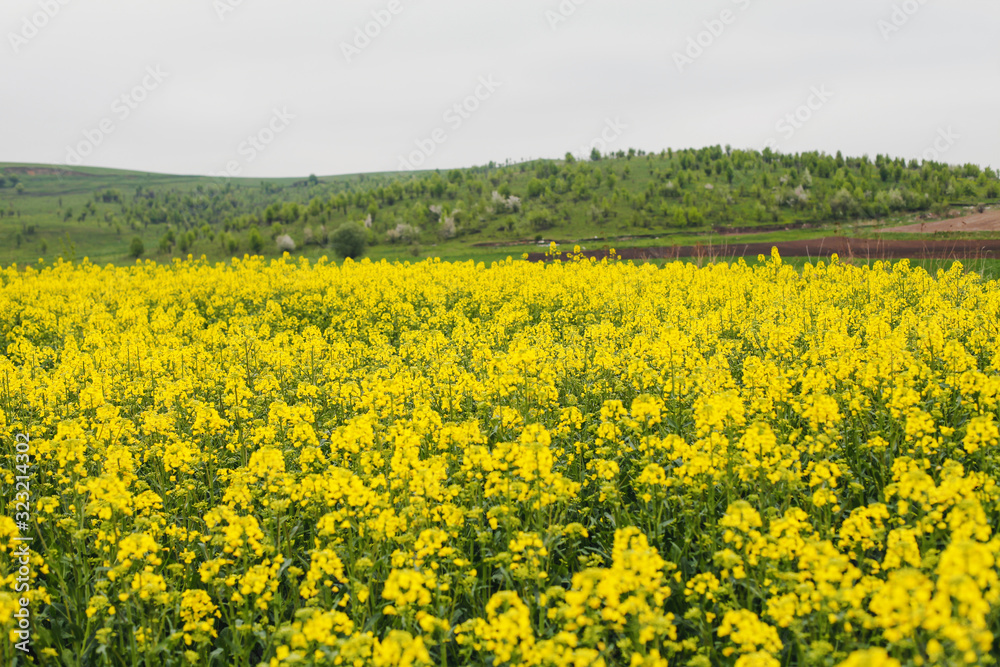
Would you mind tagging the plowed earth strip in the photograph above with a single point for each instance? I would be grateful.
(845, 248)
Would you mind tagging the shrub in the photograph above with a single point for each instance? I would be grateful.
(448, 228)
(402, 233)
(503, 203)
(185, 241)
(256, 241)
(136, 248)
(843, 204)
(540, 220)
(349, 240)
(285, 243)
(536, 188)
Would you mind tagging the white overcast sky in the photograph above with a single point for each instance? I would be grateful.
(561, 84)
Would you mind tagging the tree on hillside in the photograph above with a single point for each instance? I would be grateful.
(536, 188)
(349, 240)
(256, 240)
(136, 248)
(843, 204)
(540, 219)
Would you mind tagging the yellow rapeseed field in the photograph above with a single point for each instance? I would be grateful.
(571, 463)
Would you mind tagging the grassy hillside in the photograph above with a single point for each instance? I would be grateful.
(664, 198)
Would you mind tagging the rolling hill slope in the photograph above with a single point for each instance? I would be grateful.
(49, 211)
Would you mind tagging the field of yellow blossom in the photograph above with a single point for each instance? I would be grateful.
(567, 463)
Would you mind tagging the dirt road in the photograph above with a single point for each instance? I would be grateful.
(988, 221)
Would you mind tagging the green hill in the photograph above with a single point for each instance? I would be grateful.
(49, 211)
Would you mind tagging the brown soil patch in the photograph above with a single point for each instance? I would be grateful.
(846, 248)
(988, 221)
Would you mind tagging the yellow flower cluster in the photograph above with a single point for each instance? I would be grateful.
(574, 463)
